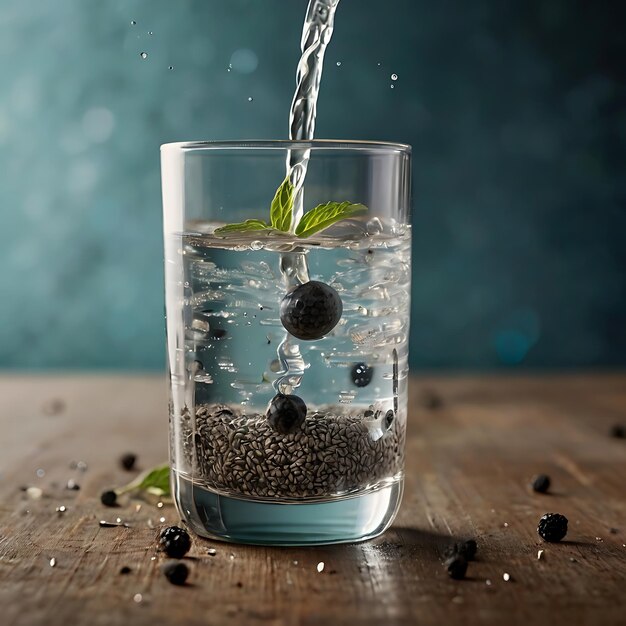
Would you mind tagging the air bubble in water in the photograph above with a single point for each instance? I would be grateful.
(250, 98)
(379, 63)
(133, 23)
(394, 77)
(338, 63)
(149, 32)
(392, 85)
(171, 67)
(143, 55)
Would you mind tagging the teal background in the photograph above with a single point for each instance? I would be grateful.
(516, 111)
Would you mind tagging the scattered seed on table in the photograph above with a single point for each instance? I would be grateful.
(61, 509)
(320, 567)
(539, 554)
(159, 505)
(137, 598)
(211, 551)
(53, 562)
(488, 582)
(34, 493)
(506, 577)
(540, 483)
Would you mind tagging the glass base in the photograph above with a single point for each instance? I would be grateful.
(343, 520)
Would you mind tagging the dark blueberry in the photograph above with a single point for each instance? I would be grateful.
(456, 566)
(311, 310)
(108, 498)
(174, 541)
(388, 420)
(286, 414)
(361, 374)
(618, 431)
(552, 527)
(125, 570)
(541, 483)
(127, 461)
(175, 571)
(466, 549)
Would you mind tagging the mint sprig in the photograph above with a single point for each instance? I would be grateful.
(155, 481)
(281, 214)
(281, 209)
(324, 215)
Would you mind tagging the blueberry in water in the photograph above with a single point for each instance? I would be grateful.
(362, 374)
(286, 414)
(311, 310)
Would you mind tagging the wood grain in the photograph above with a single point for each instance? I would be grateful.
(469, 462)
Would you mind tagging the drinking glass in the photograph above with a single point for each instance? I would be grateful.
(287, 354)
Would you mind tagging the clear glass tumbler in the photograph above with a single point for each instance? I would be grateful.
(287, 338)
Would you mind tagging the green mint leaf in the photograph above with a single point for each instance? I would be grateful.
(281, 208)
(155, 481)
(324, 215)
(241, 227)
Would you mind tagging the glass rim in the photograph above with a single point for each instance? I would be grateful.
(287, 144)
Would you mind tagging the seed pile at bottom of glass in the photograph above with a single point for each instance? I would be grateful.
(330, 454)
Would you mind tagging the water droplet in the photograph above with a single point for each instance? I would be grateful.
(250, 98)
(40, 473)
(256, 245)
(133, 23)
(143, 55)
(394, 77)
(171, 67)
(338, 63)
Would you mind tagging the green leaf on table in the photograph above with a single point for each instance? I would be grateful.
(324, 215)
(281, 209)
(241, 227)
(155, 481)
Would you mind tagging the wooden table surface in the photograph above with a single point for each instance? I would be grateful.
(469, 461)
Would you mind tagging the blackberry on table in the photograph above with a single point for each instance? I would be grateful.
(466, 549)
(456, 567)
(174, 541)
(311, 310)
(286, 414)
(175, 571)
(552, 527)
(541, 483)
(361, 374)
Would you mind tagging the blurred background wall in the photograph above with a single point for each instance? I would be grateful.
(516, 112)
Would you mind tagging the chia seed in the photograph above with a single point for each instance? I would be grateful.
(329, 454)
